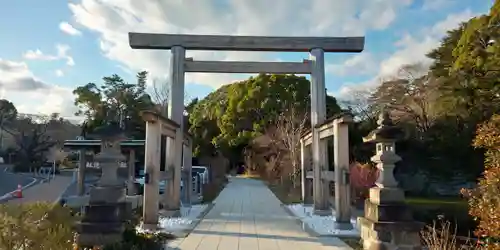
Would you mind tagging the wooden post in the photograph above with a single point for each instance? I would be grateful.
(342, 187)
(82, 164)
(131, 173)
(303, 170)
(169, 174)
(152, 169)
(176, 114)
(305, 161)
(318, 113)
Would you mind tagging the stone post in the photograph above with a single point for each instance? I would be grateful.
(341, 173)
(131, 173)
(176, 114)
(387, 223)
(82, 164)
(318, 116)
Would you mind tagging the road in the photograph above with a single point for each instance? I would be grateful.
(9, 181)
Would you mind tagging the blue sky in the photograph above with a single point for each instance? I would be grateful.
(82, 41)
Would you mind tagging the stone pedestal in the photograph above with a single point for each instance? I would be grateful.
(131, 190)
(388, 223)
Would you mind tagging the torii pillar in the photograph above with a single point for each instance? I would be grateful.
(319, 147)
(176, 114)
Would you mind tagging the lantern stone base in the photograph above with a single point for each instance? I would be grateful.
(389, 235)
(386, 195)
(388, 222)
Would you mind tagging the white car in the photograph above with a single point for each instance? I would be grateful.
(140, 180)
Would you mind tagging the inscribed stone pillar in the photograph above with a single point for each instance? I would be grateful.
(152, 171)
(387, 223)
(176, 113)
(131, 173)
(341, 173)
(318, 115)
(82, 164)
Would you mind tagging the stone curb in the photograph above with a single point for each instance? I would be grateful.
(184, 233)
(313, 233)
(303, 225)
(299, 222)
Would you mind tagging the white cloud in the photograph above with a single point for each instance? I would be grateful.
(16, 76)
(54, 100)
(412, 49)
(69, 29)
(452, 21)
(32, 95)
(113, 19)
(38, 55)
(62, 54)
(360, 64)
(59, 73)
(436, 4)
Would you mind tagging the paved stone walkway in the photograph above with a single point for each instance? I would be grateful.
(247, 215)
(44, 192)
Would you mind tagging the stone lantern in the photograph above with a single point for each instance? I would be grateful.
(107, 211)
(387, 223)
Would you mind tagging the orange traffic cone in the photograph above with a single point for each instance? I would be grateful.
(19, 191)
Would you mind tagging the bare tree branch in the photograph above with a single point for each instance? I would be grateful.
(288, 128)
(161, 94)
(361, 105)
(410, 95)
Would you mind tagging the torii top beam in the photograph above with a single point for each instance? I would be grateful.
(245, 43)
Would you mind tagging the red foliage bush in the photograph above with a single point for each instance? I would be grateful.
(362, 178)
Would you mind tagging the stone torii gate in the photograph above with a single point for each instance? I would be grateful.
(315, 66)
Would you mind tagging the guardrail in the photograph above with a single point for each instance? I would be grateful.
(197, 186)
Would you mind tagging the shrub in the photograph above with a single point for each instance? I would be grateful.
(362, 178)
(35, 226)
(442, 238)
(133, 240)
(484, 201)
